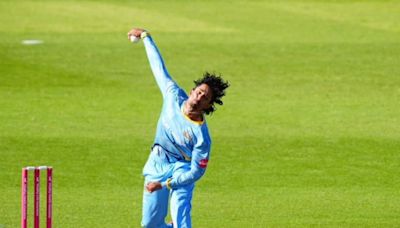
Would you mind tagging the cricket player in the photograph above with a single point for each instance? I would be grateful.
(181, 149)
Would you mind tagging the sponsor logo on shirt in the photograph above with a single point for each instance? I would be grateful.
(203, 163)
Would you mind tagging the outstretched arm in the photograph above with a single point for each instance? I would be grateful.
(157, 65)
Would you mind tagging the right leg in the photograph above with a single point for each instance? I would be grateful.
(155, 208)
(155, 204)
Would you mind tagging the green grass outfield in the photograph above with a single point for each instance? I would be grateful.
(309, 134)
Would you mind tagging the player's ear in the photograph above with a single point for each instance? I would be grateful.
(207, 108)
(208, 105)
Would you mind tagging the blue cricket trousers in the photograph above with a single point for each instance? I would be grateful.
(155, 205)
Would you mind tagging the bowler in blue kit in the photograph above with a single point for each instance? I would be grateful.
(181, 148)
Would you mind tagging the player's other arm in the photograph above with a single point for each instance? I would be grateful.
(197, 169)
(157, 64)
(198, 165)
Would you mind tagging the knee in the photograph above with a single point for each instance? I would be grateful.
(184, 193)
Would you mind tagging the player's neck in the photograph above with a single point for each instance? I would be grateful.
(194, 115)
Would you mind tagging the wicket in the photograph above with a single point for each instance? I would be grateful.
(24, 191)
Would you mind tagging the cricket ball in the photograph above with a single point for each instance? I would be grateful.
(134, 39)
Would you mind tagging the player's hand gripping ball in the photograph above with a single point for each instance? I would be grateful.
(134, 39)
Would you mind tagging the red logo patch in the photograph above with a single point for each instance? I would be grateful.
(203, 163)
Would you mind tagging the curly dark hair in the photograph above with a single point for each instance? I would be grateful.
(217, 86)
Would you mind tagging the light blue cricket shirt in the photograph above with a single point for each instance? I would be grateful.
(181, 138)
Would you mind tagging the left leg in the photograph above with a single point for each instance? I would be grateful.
(181, 200)
(181, 206)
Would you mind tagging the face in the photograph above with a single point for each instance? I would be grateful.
(200, 97)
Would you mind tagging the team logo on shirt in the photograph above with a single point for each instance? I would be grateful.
(188, 137)
(203, 163)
